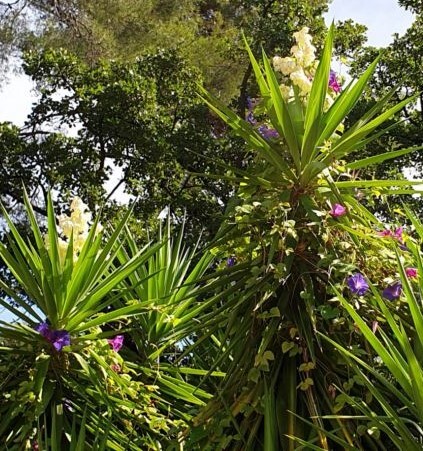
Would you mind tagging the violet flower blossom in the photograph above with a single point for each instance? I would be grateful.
(392, 292)
(250, 118)
(58, 338)
(267, 132)
(337, 211)
(44, 330)
(116, 343)
(357, 284)
(333, 82)
(231, 261)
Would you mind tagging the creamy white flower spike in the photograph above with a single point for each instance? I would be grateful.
(300, 79)
(304, 51)
(77, 225)
(287, 92)
(285, 65)
(300, 67)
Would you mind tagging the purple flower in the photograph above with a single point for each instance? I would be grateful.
(231, 261)
(250, 118)
(116, 343)
(337, 210)
(267, 132)
(333, 82)
(393, 291)
(58, 338)
(44, 330)
(357, 284)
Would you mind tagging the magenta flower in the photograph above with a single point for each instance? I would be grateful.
(411, 273)
(397, 235)
(385, 233)
(333, 82)
(357, 284)
(58, 338)
(116, 343)
(393, 291)
(337, 211)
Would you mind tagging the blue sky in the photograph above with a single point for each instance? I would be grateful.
(382, 17)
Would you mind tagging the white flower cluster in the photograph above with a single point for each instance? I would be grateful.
(300, 67)
(75, 227)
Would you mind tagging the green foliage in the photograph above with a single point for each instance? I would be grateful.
(282, 226)
(143, 118)
(400, 66)
(206, 33)
(265, 350)
(392, 409)
(48, 393)
(140, 111)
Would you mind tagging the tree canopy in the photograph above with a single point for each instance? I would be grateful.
(118, 87)
(399, 73)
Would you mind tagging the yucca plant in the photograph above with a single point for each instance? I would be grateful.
(294, 220)
(179, 283)
(78, 436)
(57, 366)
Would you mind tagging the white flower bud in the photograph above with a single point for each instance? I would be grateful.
(300, 79)
(77, 204)
(302, 37)
(66, 224)
(285, 65)
(78, 241)
(287, 92)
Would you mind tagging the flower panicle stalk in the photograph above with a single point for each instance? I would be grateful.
(299, 69)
